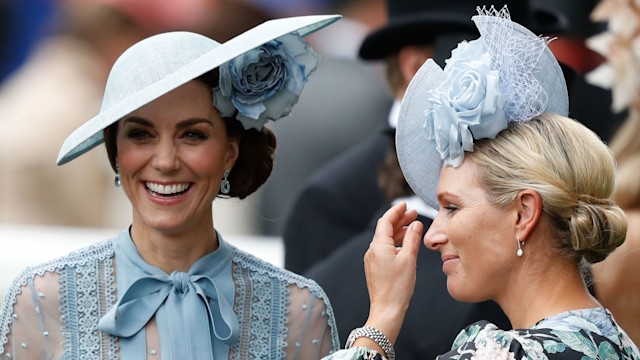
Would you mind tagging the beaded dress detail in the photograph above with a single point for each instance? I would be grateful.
(52, 311)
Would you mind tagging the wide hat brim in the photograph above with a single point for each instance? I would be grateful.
(421, 28)
(418, 156)
(126, 91)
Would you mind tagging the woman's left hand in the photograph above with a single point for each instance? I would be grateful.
(391, 269)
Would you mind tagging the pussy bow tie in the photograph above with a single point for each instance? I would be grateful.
(195, 319)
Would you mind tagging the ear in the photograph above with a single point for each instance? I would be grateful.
(528, 204)
(233, 150)
(411, 59)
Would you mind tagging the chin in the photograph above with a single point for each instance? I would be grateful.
(464, 293)
(165, 224)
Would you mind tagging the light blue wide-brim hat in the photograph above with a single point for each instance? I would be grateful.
(163, 62)
(418, 156)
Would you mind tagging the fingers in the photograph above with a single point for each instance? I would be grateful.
(401, 227)
(412, 240)
(390, 228)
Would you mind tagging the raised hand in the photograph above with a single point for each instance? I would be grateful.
(390, 267)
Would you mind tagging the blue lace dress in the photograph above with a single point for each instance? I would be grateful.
(580, 334)
(106, 302)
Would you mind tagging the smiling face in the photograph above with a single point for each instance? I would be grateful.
(475, 238)
(172, 155)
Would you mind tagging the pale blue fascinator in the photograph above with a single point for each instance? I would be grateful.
(262, 72)
(506, 75)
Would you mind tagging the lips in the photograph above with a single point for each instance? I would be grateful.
(447, 262)
(163, 190)
(446, 258)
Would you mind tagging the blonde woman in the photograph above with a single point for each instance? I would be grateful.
(525, 201)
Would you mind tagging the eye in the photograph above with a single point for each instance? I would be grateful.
(195, 135)
(138, 134)
(451, 209)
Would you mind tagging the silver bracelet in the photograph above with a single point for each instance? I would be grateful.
(374, 334)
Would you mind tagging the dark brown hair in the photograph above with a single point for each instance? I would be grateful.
(255, 156)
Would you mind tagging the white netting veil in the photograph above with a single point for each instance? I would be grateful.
(516, 58)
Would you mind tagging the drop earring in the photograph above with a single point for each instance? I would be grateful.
(520, 243)
(117, 182)
(225, 185)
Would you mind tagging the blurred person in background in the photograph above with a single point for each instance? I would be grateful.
(321, 215)
(58, 87)
(345, 104)
(617, 279)
(22, 24)
(182, 120)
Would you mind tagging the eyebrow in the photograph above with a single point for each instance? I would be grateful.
(447, 194)
(181, 125)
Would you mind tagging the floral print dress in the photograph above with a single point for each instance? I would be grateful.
(577, 334)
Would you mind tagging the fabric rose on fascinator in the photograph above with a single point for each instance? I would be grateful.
(469, 93)
(264, 83)
(483, 88)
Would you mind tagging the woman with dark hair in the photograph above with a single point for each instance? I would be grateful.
(169, 286)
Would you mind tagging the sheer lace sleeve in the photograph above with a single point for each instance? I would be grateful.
(309, 333)
(31, 327)
(282, 315)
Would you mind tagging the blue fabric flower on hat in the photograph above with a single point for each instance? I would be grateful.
(467, 105)
(264, 83)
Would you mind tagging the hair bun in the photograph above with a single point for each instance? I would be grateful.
(598, 226)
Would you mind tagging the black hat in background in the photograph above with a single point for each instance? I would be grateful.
(565, 17)
(414, 22)
(589, 104)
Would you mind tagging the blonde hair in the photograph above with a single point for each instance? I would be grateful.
(571, 169)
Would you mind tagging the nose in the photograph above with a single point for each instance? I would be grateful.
(165, 156)
(436, 236)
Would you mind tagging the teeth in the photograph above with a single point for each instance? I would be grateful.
(167, 189)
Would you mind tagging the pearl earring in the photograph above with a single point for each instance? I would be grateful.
(520, 243)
